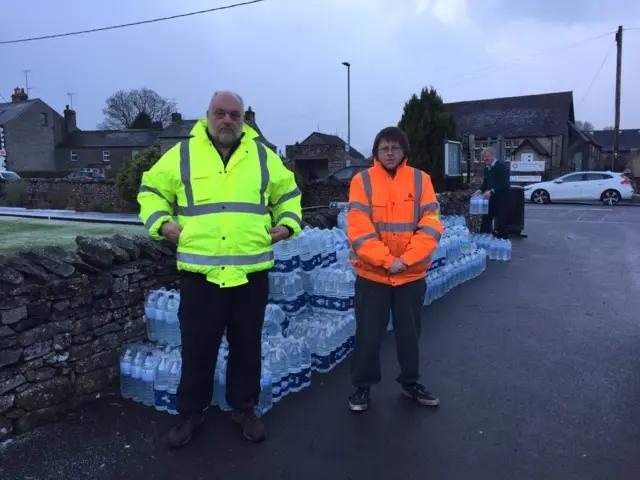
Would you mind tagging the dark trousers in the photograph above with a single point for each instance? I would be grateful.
(374, 302)
(498, 209)
(205, 311)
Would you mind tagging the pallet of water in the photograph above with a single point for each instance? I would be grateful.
(478, 205)
(161, 317)
(496, 248)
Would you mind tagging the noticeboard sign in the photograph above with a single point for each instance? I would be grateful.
(452, 159)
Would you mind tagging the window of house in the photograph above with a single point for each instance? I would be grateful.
(74, 155)
(44, 121)
(106, 156)
(134, 154)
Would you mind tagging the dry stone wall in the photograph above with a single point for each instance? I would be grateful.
(64, 317)
(66, 195)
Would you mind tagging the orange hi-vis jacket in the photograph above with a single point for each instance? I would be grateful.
(392, 217)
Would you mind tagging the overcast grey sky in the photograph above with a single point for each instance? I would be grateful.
(284, 56)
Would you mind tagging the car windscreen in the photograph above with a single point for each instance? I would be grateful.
(9, 176)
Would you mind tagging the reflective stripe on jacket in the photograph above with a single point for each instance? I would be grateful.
(226, 213)
(392, 217)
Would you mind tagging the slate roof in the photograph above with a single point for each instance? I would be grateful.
(326, 139)
(179, 129)
(110, 139)
(527, 116)
(8, 111)
(182, 129)
(629, 139)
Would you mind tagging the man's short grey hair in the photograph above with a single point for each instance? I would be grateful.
(227, 92)
(490, 150)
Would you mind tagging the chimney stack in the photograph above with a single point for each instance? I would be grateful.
(176, 117)
(250, 117)
(70, 124)
(19, 95)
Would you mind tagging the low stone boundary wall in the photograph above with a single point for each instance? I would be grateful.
(64, 317)
(63, 194)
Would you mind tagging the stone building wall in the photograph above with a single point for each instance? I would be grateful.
(68, 194)
(64, 317)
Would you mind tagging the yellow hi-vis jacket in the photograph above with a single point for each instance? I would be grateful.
(225, 212)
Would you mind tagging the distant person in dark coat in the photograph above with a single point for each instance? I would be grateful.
(495, 187)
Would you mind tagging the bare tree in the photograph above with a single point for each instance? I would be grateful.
(123, 107)
(585, 126)
(608, 127)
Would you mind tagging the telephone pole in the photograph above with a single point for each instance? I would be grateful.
(616, 129)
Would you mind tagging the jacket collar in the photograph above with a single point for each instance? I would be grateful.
(199, 131)
(378, 166)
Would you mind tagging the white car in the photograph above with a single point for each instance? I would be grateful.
(7, 175)
(607, 187)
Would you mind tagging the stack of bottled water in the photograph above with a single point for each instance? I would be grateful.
(309, 323)
(478, 205)
(161, 316)
(150, 375)
(497, 249)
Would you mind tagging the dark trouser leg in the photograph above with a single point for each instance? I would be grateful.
(373, 306)
(502, 215)
(244, 332)
(487, 220)
(202, 314)
(406, 306)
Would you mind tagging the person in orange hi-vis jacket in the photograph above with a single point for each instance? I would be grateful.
(393, 226)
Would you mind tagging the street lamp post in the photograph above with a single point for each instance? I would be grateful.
(348, 149)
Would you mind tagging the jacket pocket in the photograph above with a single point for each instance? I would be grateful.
(202, 187)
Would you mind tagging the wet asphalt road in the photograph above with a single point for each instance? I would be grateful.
(537, 364)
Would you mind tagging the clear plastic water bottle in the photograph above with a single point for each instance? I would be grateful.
(136, 375)
(148, 377)
(295, 365)
(126, 361)
(161, 383)
(221, 396)
(150, 314)
(305, 363)
(174, 380)
(172, 323)
(265, 401)
(161, 316)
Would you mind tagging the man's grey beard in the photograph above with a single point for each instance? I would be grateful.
(227, 139)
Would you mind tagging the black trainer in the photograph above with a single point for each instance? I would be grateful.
(420, 394)
(359, 401)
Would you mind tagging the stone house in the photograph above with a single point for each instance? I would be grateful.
(29, 133)
(319, 155)
(180, 129)
(37, 138)
(546, 120)
(104, 149)
(628, 149)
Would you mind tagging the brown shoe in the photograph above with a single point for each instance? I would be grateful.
(252, 427)
(182, 432)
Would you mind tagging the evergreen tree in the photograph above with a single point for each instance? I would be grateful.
(142, 122)
(428, 124)
(130, 175)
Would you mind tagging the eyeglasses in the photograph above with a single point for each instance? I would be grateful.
(220, 114)
(393, 149)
